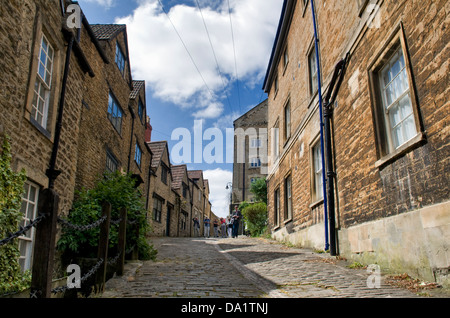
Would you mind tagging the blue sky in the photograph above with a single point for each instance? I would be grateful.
(202, 60)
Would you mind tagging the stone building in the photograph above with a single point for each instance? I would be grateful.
(68, 104)
(113, 121)
(250, 152)
(201, 207)
(161, 198)
(43, 69)
(180, 186)
(390, 131)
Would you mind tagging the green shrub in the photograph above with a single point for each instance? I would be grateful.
(255, 217)
(11, 189)
(119, 191)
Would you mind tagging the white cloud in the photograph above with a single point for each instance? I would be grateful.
(219, 196)
(159, 57)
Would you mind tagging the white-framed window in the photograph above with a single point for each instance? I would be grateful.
(275, 142)
(255, 162)
(394, 103)
(120, 58)
(138, 155)
(396, 97)
(317, 172)
(287, 121)
(288, 198)
(276, 204)
(42, 84)
(30, 199)
(312, 65)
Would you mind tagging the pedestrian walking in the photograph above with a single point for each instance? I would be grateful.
(229, 225)
(223, 227)
(207, 224)
(216, 228)
(196, 226)
(236, 218)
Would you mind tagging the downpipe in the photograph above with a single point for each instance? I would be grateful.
(319, 87)
(51, 172)
(330, 99)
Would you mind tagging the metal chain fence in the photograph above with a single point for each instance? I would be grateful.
(24, 229)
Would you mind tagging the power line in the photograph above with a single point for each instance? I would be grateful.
(214, 53)
(234, 50)
(187, 50)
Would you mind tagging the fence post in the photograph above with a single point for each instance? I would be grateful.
(122, 241)
(44, 248)
(103, 247)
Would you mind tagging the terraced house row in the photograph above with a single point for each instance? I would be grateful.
(389, 158)
(72, 110)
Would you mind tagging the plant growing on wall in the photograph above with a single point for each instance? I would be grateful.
(11, 189)
(119, 190)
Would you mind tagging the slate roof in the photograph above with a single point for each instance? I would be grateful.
(157, 148)
(177, 175)
(137, 86)
(195, 174)
(107, 31)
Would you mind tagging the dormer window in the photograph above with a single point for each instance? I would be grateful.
(120, 58)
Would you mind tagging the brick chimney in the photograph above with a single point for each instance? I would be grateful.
(148, 131)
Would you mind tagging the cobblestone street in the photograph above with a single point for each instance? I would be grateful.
(245, 268)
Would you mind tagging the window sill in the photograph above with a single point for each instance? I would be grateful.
(408, 146)
(316, 203)
(41, 129)
(287, 221)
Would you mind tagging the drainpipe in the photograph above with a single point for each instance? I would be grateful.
(131, 138)
(330, 98)
(51, 172)
(319, 80)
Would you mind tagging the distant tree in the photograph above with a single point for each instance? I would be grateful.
(259, 190)
(255, 216)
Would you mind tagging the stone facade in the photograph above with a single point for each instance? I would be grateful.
(25, 26)
(161, 198)
(109, 143)
(250, 154)
(180, 186)
(391, 187)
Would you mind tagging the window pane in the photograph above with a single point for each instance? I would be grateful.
(405, 106)
(409, 127)
(395, 116)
